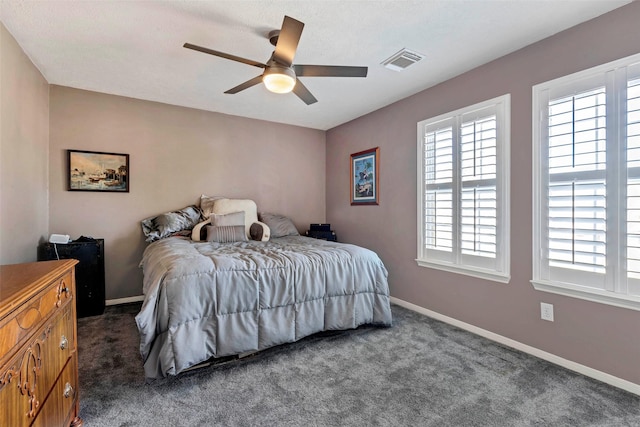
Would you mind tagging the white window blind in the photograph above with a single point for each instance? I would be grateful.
(463, 191)
(438, 154)
(576, 192)
(587, 184)
(478, 211)
(633, 182)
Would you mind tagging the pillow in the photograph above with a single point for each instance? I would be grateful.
(226, 233)
(155, 228)
(233, 218)
(279, 225)
(199, 232)
(206, 204)
(259, 231)
(225, 206)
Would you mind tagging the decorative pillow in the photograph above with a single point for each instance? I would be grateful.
(225, 206)
(233, 218)
(226, 233)
(259, 231)
(206, 204)
(199, 233)
(279, 225)
(160, 226)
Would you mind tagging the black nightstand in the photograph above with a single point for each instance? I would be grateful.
(90, 299)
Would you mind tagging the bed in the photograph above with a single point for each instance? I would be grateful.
(206, 299)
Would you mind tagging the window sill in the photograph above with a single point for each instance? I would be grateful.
(589, 294)
(467, 271)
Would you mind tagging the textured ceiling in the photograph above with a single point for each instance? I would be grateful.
(134, 48)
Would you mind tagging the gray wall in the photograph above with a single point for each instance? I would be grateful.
(596, 335)
(176, 154)
(24, 154)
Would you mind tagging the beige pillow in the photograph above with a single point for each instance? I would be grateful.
(198, 233)
(206, 204)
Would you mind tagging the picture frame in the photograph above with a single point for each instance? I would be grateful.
(365, 177)
(97, 171)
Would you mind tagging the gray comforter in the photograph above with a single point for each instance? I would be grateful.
(205, 299)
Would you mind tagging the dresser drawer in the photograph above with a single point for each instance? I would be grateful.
(58, 345)
(16, 328)
(27, 379)
(38, 349)
(56, 410)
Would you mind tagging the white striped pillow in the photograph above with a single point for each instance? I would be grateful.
(226, 233)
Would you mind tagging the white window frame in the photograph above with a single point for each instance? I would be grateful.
(497, 269)
(613, 76)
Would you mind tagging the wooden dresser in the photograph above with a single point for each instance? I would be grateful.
(38, 348)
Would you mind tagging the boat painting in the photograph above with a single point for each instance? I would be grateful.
(98, 171)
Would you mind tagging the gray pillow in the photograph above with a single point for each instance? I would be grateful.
(233, 218)
(279, 225)
(157, 227)
(226, 233)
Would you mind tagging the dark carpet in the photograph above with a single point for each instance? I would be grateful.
(419, 372)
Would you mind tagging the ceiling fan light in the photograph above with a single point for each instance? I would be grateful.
(279, 79)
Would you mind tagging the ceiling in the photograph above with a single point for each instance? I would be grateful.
(134, 48)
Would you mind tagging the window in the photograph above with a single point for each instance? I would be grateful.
(586, 143)
(463, 187)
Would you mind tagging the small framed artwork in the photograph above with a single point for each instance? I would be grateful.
(98, 171)
(365, 174)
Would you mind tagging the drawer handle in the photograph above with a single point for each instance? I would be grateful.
(66, 290)
(68, 390)
(64, 343)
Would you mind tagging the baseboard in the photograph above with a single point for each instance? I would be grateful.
(126, 300)
(549, 357)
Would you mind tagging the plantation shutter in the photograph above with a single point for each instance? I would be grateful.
(633, 181)
(438, 177)
(577, 202)
(460, 200)
(478, 144)
(589, 196)
(463, 191)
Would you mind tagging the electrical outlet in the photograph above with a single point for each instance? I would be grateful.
(546, 311)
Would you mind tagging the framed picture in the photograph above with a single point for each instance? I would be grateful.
(98, 171)
(365, 174)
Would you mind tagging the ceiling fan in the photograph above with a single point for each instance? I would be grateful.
(280, 75)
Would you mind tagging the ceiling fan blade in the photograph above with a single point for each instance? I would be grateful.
(288, 41)
(246, 85)
(225, 55)
(329, 71)
(303, 93)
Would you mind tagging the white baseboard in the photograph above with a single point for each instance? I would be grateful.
(549, 357)
(126, 300)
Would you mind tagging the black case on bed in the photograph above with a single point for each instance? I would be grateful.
(319, 227)
(324, 235)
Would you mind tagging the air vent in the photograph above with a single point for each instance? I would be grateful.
(402, 60)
